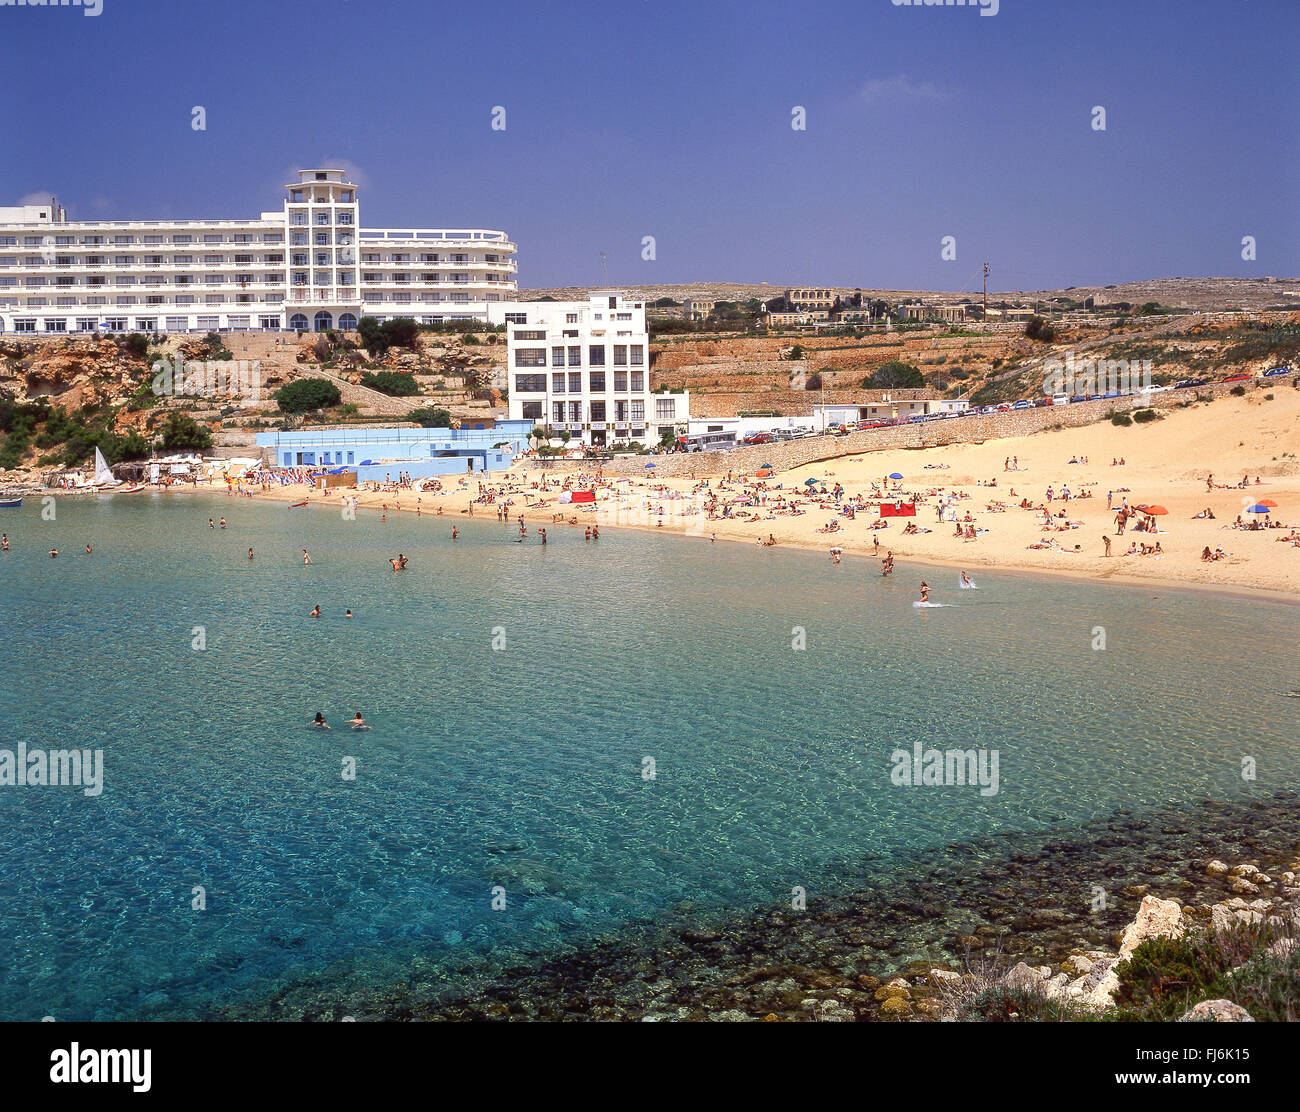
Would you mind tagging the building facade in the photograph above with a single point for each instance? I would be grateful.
(583, 367)
(376, 454)
(310, 266)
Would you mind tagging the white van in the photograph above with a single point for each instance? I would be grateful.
(1060, 399)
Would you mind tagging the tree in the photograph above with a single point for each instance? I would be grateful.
(430, 418)
(307, 394)
(814, 381)
(1039, 329)
(895, 375)
(180, 432)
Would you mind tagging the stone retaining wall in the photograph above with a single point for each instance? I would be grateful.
(785, 455)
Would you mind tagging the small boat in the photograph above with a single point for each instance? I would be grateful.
(295, 505)
(8, 502)
(104, 478)
(134, 488)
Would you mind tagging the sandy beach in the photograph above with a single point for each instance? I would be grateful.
(1166, 463)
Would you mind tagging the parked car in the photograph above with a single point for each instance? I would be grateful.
(1073, 398)
(1275, 371)
(1243, 377)
(759, 438)
(1111, 394)
(1188, 383)
(1005, 407)
(1153, 389)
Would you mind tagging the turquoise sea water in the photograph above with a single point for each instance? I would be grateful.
(523, 767)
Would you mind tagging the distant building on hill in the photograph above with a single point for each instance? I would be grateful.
(698, 308)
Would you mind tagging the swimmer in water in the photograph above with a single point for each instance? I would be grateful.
(88, 550)
(347, 614)
(543, 532)
(925, 591)
(319, 722)
(53, 553)
(454, 532)
(4, 542)
(357, 722)
(305, 558)
(315, 611)
(250, 553)
(210, 524)
(222, 523)
(965, 580)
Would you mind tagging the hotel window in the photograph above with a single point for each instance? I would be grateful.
(210, 323)
(124, 280)
(185, 299)
(575, 382)
(620, 413)
(31, 241)
(322, 218)
(620, 382)
(323, 259)
(638, 355)
(530, 357)
(596, 355)
(557, 413)
(620, 355)
(243, 260)
(570, 318)
(428, 258)
(147, 324)
(638, 411)
(322, 239)
(124, 301)
(598, 411)
(34, 282)
(65, 281)
(638, 381)
(65, 302)
(298, 239)
(575, 412)
(96, 240)
(622, 316)
(239, 322)
(575, 356)
(115, 324)
(532, 411)
(531, 335)
(557, 357)
(345, 218)
(213, 299)
(517, 318)
(277, 238)
(24, 324)
(665, 409)
(274, 322)
(213, 239)
(183, 260)
(557, 384)
(182, 239)
(154, 300)
(530, 384)
(87, 324)
(153, 239)
(177, 324)
(597, 382)
(56, 324)
(63, 260)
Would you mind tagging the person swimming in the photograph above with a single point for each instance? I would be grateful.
(53, 553)
(315, 611)
(347, 613)
(250, 553)
(454, 532)
(319, 722)
(357, 722)
(925, 591)
(88, 550)
(4, 542)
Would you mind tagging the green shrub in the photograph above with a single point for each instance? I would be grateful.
(1142, 416)
(307, 394)
(396, 384)
(1121, 419)
(894, 375)
(1238, 391)
(180, 432)
(431, 418)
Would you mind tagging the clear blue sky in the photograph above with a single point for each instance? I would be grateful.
(672, 119)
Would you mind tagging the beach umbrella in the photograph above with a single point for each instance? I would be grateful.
(768, 466)
(1258, 508)
(1156, 511)
(895, 475)
(651, 465)
(1267, 502)
(811, 482)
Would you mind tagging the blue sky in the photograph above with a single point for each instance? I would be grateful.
(673, 119)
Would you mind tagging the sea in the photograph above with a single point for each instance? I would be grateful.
(570, 744)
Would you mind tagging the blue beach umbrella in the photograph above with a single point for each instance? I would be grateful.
(652, 465)
(1258, 508)
(895, 475)
(811, 482)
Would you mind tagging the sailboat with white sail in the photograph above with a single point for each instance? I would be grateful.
(104, 479)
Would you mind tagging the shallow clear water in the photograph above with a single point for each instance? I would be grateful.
(523, 767)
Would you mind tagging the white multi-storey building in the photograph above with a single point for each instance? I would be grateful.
(584, 367)
(308, 266)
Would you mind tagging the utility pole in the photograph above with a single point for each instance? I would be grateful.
(986, 292)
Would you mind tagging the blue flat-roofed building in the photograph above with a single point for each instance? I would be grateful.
(377, 453)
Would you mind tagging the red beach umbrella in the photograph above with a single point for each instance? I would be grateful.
(1155, 511)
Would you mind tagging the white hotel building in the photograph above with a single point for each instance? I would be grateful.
(307, 266)
(584, 367)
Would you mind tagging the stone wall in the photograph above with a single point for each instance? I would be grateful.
(784, 455)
